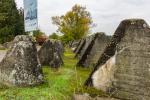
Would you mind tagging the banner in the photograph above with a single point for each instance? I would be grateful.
(30, 15)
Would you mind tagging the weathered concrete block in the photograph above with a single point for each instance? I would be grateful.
(94, 50)
(124, 68)
(59, 47)
(88, 40)
(2, 47)
(73, 44)
(84, 46)
(7, 44)
(20, 66)
(50, 54)
(79, 48)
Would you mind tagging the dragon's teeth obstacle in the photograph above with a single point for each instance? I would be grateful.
(123, 69)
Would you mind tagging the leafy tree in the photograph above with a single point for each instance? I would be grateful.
(75, 24)
(38, 33)
(39, 36)
(11, 20)
(54, 36)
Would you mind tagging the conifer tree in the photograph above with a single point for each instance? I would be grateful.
(11, 20)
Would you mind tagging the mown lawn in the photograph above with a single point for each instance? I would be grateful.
(58, 85)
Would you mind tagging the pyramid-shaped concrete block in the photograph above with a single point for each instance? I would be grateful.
(124, 68)
(94, 50)
(20, 66)
(50, 54)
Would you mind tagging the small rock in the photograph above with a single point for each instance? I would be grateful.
(88, 97)
(81, 97)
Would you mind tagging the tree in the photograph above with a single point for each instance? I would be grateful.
(75, 24)
(54, 36)
(40, 36)
(11, 21)
(38, 33)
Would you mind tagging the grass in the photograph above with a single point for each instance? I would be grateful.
(2, 48)
(58, 85)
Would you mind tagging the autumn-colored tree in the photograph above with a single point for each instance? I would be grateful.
(75, 24)
(40, 36)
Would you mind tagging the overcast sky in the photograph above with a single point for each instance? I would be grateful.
(107, 14)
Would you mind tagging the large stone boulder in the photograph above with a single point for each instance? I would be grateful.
(2, 54)
(50, 54)
(20, 66)
(94, 50)
(124, 68)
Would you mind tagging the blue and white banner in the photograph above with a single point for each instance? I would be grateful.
(30, 15)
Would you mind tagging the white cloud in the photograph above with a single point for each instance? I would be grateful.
(107, 14)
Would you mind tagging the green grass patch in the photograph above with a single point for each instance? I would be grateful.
(58, 85)
(2, 48)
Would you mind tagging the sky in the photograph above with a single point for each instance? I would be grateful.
(106, 14)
